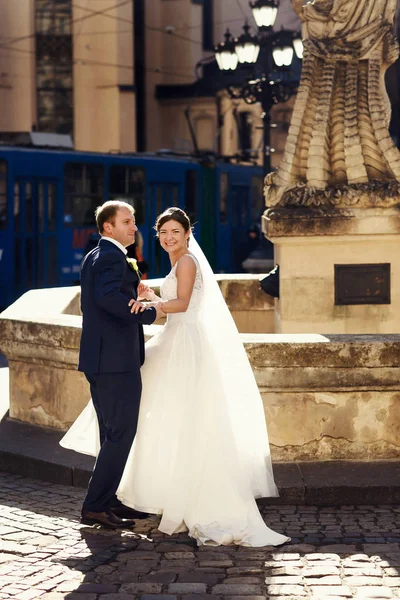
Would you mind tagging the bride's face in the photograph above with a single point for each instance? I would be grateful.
(173, 237)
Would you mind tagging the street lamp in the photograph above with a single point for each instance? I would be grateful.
(225, 53)
(283, 48)
(265, 12)
(276, 50)
(247, 47)
(298, 44)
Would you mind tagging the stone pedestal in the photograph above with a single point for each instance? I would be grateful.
(308, 243)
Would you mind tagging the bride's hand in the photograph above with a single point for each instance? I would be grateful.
(145, 292)
(158, 306)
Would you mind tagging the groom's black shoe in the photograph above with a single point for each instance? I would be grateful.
(124, 512)
(107, 519)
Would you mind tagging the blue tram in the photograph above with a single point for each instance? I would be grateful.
(48, 198)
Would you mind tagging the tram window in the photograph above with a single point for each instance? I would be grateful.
(41, 207)
(3, 194)
(257, 198)
(191, 194)
(223, 198)
(51, 207)
(83, 192)
(159, 200)
(29, 215)
(17, 208)
(128, 183)
(175, 195)
(236, 206)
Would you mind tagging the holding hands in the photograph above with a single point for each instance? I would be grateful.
(146, 293)
(137, 307)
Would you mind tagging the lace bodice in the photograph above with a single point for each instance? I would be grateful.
(169, 289)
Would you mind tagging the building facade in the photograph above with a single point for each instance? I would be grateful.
(69, 68)
(120, 75)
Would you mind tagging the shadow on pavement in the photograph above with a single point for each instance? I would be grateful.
(336, 552)
(172, 569)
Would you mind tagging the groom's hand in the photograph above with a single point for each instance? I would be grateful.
(136, 307)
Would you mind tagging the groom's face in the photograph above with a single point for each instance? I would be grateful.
(124, 227)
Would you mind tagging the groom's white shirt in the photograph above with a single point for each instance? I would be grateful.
(120, 246)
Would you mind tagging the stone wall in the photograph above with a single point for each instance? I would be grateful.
(42, 351)
(329, 396)
(253, 310)
(325, 397)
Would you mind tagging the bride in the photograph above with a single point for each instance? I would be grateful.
(201, 453)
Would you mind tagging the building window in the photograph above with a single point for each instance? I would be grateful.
(3, 195)
(207, 23)
(83, 192)
(54, 66)
(128, 183)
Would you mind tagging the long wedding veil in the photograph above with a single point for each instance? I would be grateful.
(244, 402)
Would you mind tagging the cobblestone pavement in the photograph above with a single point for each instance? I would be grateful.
(336, 553)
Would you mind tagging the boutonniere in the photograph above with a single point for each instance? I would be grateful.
(132, 262)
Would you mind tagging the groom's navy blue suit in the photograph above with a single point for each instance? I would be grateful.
(111, 354)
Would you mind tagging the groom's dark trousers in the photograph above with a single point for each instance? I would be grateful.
(111, 354)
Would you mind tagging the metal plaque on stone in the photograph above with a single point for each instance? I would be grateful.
(362, 284)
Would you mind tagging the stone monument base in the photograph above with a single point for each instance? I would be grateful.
(311, 244)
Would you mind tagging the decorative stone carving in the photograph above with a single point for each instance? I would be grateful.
(339, 151)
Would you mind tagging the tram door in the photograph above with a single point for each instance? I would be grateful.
(162, 195)
(35, 234)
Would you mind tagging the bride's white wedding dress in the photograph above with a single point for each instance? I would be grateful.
(201, 453)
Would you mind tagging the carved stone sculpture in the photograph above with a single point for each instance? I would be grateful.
(339, 151)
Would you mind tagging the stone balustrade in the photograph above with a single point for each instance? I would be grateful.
(329, 396)
(325, 396)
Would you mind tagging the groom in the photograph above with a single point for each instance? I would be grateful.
(111, 354)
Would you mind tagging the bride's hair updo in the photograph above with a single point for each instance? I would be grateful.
(173, 214)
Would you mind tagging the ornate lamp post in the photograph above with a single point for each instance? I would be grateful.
(274, 52)
(264, 13)
(226, 57)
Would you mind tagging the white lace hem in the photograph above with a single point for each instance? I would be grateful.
(212, 534)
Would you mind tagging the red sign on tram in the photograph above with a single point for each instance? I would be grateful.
(80, 237)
